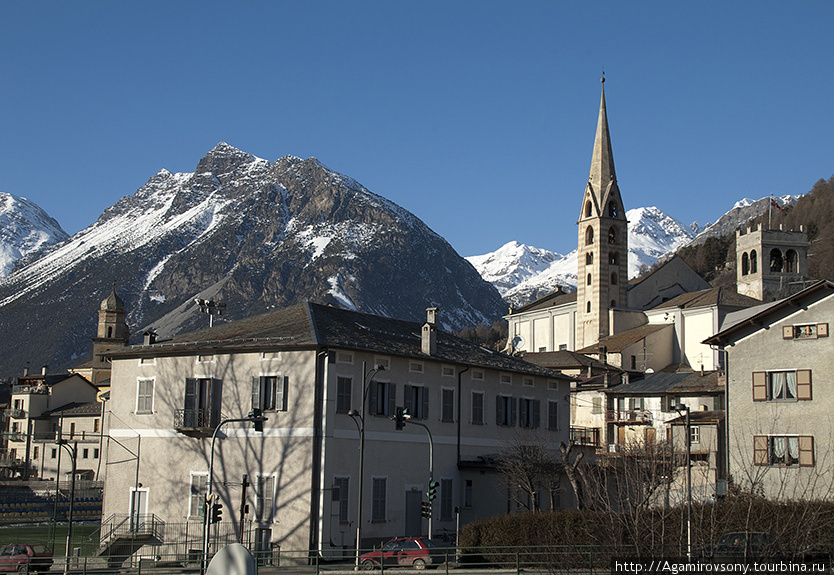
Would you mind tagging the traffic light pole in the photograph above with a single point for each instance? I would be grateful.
(257, 419)
(431, 464)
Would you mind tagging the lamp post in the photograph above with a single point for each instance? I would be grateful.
(359, 419)
(134, 508)
(255, 417)
(211, 308)
(408, 418)
(73, 451)
(684, 410)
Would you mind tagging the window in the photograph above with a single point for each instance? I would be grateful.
(446, 499)
(528, 412)
(467, 493)
(415, 367)
(383, 398)
(378, 499)
(54, 452)
(478, 375)
(144, 396)
(805, 331)
(264, 497)
(344, 357)
(791, 262)
(776, 262)
(147, 361)
(612, 235)
(694, 434)
(85, 453)
(416, 401)
(269, 392)
(612, 209)
(588, 281)
(553, 415)
(614, 258)
(506, 378)
(344, 387)
(633, 362)
(614, 279)
(341, 494)
(202, 403)
(205, 358)
(448, 405)
(596, 405)
(36, 452)
(589, 258)
(478, 407)
(588, 307)
(588, 209)
(95, 425)
(790, 385)
(198, 493)
(270, 355)
(505, 410)
(754, 262)
(95, 453)
(783, 450)
(72, 429)
(528, 381)
(589, 236)
(563, 346)
(745, 264)
(447, 371)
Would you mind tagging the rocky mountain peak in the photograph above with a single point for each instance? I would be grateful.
(223, 159)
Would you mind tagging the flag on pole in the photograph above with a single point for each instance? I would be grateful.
(775, 205)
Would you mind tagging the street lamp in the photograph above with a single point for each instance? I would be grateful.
(359, 419)
(73, 451)
(432, 484)
(211, 308)
(684, 410)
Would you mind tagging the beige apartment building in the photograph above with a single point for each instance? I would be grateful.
(307, 367)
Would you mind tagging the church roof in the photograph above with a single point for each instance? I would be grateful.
(553, 299)
(710, 297)
(619, 342)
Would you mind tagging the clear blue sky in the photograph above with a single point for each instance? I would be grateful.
(477, 116)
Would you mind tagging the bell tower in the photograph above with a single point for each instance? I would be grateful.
(112, 333)
(602, 255)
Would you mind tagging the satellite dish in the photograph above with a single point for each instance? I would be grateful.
(650, 370)
(518, 342)
(233, 559)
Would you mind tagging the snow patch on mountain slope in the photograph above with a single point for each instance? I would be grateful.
(24, 229)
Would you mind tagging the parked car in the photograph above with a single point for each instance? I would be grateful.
(416, 552)
(25, 557)
(742, 545)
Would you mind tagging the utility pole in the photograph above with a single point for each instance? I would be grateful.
(242, 508)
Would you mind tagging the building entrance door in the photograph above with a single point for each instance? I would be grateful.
(413, 521)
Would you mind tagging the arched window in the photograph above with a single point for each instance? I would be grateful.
(613, 279)
(612, 235)
(588, 209)
(589, 279)
(745, 264)
(589, 236)
(753, 262)
(109, 331)
(776, 263)
(589, 258)
(791, 262)
(612, 209)
(588, 307)
(614, 258)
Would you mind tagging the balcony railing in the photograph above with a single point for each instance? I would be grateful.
(588, 436)
(16, 413)
(196, 420)
(629, 416)
(15, 436)
(38, 389)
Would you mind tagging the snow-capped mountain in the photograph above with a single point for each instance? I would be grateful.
(742, 212)
(252, 233)
(24, 229)
(651, 234)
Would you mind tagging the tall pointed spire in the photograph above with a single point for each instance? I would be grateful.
(602, 175)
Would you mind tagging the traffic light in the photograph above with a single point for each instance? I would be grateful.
(433, 490)
(402, 415)
(216, 512)
(258, 418)
(425, 509)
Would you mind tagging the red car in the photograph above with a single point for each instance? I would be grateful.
(29, 557)
(416, 552)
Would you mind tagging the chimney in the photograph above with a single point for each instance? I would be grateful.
(429, 334)
(26, 371)
(43, 369)
(149, 338)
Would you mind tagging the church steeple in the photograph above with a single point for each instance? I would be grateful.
(602, 266)
(602, 178)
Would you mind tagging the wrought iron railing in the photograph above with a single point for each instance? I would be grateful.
(588, 436)
(196, 419)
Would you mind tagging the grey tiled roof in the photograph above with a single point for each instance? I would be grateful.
(311, 326)
(710, 297)
(682, 382)
(617, 343)
(75, 410)
(556, 298)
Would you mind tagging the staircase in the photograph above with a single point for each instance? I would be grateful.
(124, 535)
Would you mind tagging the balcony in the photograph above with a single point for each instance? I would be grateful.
(16, 413)
(196, 422)
(629, 417)
(586, 436)
(37, 389)
(16, 436)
